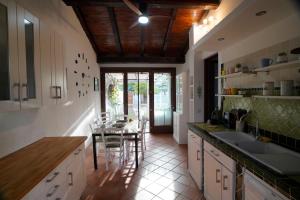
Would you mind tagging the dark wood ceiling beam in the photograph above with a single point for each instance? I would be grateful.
(142, 40)
(85, 28)
(169, 29)
(114, 25)
(138, 59)
(205, 4)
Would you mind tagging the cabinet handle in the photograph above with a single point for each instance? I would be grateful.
(71, 175)
(198, 155)
(53, 191)
(224, 178)
(217, 172)
(24, 85)
(16, 85)
(53, 177)
(58, 92)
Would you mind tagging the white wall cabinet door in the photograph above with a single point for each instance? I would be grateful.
(212, 178)
(19, 57)
(9, 69)
(60, 70)
(53, 66)
(29, 59)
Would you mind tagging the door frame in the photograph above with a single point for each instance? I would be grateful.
(151, 71)
(209, 77)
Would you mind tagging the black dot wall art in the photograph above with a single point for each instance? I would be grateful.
(82, 75)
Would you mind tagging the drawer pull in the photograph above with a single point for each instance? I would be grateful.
(71, 175)
(53, 191)
(217, 172)
(79, 150)
(224, 178)
(198, 155)
(53, 177)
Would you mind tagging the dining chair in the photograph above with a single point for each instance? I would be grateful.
(94, 127)
(130, 141)
(113, 143)
(105, 118)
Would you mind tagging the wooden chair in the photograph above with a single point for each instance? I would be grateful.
(113, 143)
(141, 140)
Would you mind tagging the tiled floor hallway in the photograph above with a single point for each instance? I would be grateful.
(162, 175)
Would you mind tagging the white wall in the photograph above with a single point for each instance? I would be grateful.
(21, 128)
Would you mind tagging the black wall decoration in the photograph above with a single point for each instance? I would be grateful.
(82, 78)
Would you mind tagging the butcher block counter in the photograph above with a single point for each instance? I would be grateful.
(39, 170)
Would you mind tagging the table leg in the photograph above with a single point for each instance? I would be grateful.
(136, 151)
(95, 152)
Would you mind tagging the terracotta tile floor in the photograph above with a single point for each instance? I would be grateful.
(162, 175)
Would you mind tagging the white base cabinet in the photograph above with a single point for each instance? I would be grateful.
(195, 157)
(219, 174)
(257, 189)
(65, 182)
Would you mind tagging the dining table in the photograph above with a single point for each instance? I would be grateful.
(129, 129)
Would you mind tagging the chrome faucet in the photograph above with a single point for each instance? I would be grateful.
(257, 134)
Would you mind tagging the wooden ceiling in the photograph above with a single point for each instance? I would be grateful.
(163, 40)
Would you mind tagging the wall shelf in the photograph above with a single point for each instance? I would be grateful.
(287, 65)
(233, 75)
(278, 97)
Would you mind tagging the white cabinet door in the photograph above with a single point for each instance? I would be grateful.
(195, 157)
(228, 187)
(53, 66)
(9, 76)
(29, 59)
(212, 178)
(60, 72)
(256, 189)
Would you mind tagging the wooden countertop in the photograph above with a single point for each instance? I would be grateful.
(22, 170)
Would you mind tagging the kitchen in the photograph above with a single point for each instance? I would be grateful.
(218, 99)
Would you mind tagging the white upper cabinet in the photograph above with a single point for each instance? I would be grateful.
(54, 73)
(29, 59)
(20, 58)
(9, 69)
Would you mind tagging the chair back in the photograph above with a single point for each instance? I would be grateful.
(113, 137)
(105, 117)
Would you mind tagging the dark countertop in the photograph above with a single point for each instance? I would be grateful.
(287, 185)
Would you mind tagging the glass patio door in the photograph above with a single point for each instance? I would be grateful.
(163, 102)
(138, 96)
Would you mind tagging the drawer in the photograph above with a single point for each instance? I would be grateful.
(219, 156)
(194, 137)
(56, 192)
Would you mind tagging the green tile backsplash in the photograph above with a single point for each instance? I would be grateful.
(275, 115)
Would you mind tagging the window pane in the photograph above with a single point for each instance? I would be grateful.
(29, 44)
(162, 99)
(4, 65)
(114, 96)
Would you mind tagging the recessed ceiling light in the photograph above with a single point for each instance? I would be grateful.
(26, 21)
(221, 39)
(261, 13)
(143, 19)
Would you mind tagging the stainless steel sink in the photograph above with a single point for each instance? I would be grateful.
(280, 159)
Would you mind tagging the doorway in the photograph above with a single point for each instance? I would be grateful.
(210, 85)
(140, 93)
